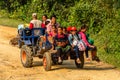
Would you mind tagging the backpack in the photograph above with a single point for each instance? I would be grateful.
(80, 43)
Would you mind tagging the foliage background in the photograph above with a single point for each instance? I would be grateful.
(102, 17)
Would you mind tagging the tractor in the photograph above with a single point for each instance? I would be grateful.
(31, 45)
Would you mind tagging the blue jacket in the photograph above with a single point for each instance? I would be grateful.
(72, 37)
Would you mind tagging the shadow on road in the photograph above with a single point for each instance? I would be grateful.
(87, 66)
(71, 65)
(37, 63)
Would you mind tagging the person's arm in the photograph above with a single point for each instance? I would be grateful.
(40, 23)
(83, 36)
(48, 28)
(70, 39)
(56, 40)
(31, 26)
(66, 39)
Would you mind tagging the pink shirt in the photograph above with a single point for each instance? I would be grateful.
(49, 27)
(52, 34)
(83, 37)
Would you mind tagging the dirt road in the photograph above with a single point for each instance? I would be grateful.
(12, 69)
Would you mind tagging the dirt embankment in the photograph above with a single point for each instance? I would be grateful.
(12, 69)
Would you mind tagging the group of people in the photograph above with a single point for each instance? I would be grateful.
(63, 39)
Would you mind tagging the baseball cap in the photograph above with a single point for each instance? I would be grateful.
(34, 14)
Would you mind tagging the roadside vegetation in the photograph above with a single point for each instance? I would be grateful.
(102, 17)
(10, 22)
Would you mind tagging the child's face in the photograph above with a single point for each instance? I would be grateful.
(60, 30)
(53, 20)
(84, 30)
(53, 28)
(64, 30)
(73, 32)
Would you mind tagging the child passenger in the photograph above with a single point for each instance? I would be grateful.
(90, 47)
(74, 37)
(52, 35)
(52, 23)
(65, 30)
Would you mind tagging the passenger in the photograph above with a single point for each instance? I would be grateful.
(65, 30)
(35, 23)
(68, 29)
(51, 36)
(45, 21)
(74, 37)
(62, 44)
(89, 46)
(53, 22)
(91, 42)
(44, 18)
(54, 31)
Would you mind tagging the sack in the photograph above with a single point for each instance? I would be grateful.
(81, 45)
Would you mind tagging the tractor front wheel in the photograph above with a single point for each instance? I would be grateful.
(25, 55)
(47, 61)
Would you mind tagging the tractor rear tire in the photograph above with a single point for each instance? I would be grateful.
(47, 63)
(26, 56)
(80, 65)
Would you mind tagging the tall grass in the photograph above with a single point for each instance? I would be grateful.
(10, 22)
(109, 58)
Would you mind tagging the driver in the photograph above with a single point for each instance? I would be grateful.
(35, 23)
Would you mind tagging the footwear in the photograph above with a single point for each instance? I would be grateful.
(69, 58)
(78, 61)
(88, 59)
(96, 59)
(59, 60)
(99, 63)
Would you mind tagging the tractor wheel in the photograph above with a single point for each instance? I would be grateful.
(47, 61)
(25, 55)
(54, 59)
(80, 65)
